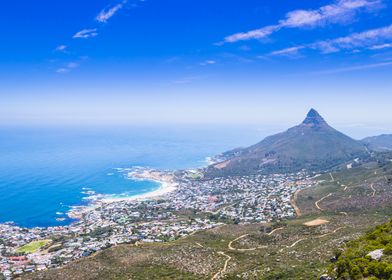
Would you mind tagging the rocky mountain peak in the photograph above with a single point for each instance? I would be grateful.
(314, 118)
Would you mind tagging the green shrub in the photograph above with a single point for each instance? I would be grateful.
(353, 262)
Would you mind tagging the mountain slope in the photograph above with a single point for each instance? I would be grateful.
(312, 145)
(369, 257)
(379, 143)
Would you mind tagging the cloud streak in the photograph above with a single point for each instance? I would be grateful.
(339, 12)
(61, 48)
(354, 68)
(208, 62)
(103, 17)
(374, 39)
(288, 51)
(380, 47)
(67, 68)
(63, 70)
(106, 14)
(356, 40)
(86, 33)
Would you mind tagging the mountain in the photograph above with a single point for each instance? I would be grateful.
(312, 145)
(381, 143)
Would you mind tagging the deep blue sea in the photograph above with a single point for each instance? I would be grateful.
(45, 170)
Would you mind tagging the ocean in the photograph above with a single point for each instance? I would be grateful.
(46, 170)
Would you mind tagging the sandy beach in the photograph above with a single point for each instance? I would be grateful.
(165, 179)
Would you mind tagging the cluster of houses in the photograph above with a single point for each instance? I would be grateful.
(255, 198)
(14, 262)
(99, 228)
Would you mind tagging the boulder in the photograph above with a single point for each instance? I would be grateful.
(376, 254)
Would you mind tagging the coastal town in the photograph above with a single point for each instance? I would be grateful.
(185, 203)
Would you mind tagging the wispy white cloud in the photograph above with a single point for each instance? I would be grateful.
(186, 80)
(356, 40)
(106, 14)
(208, 62)
(338, 12)
(380, 47)
(72, 65)
(67, 68)
(288, 51)
(102, 17)
(378, 38)
(61, 48)
(353, 68)
(63, 70)
(86, 33)
(253, 34)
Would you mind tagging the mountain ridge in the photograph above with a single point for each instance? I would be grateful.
(312, 145)
(380, 143)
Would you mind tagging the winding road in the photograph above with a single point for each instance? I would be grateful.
(223, 270)
(319, 236)
(321, 199)
(373, 189)
(230, 246)
(294, 203)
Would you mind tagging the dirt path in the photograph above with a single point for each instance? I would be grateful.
(323, 235)
(296, 242)
(275, 230)
(321, 199)
(319, 236)
(223, 270)
(234, 240)
(346, 187)
(333, 179)
(373, 189)
(294, 203)
(230, 246)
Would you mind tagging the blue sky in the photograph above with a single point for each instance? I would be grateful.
(176, 61)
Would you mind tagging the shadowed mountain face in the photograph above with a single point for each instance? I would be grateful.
(314, 118)
(312, 145)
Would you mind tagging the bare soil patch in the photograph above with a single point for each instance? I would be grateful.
(315, 223)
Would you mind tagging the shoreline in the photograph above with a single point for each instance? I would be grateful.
(165, 188)
(166, 181)
(167, 184)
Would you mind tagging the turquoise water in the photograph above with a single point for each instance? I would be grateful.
(45, 170)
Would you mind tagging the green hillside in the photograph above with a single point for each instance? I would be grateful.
(355, 261)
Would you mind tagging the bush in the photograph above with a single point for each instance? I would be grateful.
(388, 249)
(353, 262)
